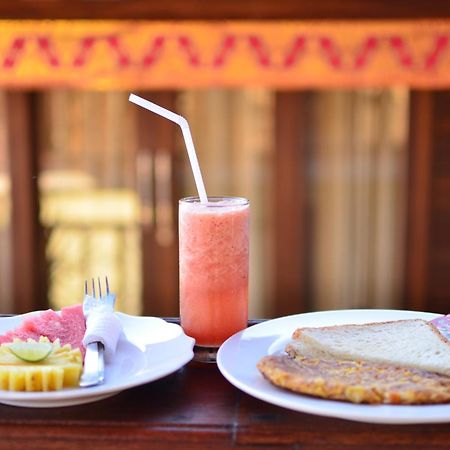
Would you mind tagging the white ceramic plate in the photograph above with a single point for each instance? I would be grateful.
(151, 350)
(238, 356)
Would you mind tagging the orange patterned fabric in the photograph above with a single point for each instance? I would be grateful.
(172, 55)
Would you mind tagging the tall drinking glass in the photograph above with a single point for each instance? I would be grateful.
(214, 260)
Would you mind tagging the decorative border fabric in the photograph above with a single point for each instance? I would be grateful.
(175, 55)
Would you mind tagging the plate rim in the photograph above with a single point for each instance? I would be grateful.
(318, 406)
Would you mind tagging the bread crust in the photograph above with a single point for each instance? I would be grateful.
(297, 335)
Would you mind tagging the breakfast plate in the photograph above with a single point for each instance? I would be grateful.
(150, 348)
(238, 356)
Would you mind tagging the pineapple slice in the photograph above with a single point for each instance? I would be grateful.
(61, 368)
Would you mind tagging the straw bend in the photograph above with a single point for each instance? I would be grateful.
(183, 123)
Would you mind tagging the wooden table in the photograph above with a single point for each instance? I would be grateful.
(197, 408)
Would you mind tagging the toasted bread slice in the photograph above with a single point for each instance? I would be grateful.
(355, 381)
(407, 343)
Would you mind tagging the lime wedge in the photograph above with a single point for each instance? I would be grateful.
(31, 351)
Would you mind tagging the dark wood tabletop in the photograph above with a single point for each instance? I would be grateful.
(196, 407)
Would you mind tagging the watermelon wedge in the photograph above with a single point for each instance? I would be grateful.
(69, 326)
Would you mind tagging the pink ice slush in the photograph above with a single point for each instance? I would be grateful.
(214, 259)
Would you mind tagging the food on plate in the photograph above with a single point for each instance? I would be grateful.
(355, 381)
(68, 326)
(59, 369)
(407, 343)
(30, 351)
(442, 323)
(397, 362)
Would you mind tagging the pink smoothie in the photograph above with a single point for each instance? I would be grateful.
(213, 268)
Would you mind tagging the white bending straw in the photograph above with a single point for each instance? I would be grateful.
(182, 122)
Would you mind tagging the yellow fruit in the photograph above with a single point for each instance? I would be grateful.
(61, 368)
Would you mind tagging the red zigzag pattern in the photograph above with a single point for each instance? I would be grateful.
(300, 45)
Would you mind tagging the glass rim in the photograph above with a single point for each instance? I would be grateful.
(214, 199)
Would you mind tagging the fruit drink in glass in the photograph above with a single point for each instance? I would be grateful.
(214, 260)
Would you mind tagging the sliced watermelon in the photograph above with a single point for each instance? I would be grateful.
(68, 326)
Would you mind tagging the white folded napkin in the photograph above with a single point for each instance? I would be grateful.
(105, 327)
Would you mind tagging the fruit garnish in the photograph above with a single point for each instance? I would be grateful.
(31, 351)
(442, 323)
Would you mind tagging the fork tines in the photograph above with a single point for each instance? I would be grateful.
(86, 292)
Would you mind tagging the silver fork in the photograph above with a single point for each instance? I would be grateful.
(94, 360)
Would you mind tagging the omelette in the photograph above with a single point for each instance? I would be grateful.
(355, 381)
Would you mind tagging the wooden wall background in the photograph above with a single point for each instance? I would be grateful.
(428, 259)
(427, 244)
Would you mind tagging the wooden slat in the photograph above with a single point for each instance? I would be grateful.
(223, 9)
(438, 292)
(263, 424)
(160, 262)
(419, 191)
(29, 272)
(290, 206)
